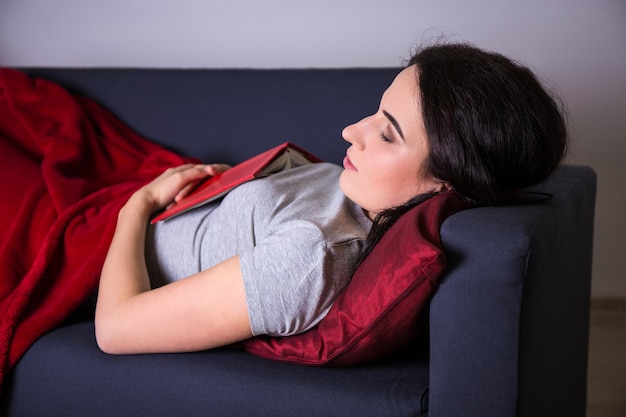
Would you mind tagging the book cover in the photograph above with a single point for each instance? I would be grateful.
(279, 158)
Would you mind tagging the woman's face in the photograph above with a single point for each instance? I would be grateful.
(384, 166)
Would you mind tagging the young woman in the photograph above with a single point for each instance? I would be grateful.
(272, 256)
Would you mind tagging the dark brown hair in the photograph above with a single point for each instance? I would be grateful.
(493, 129)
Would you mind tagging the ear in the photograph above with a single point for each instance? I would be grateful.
(440, 186)
(444, 186)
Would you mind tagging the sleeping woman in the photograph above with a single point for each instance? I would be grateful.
(272, 256)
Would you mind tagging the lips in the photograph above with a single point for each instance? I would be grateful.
(347, 164)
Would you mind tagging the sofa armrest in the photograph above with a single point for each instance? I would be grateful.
(509, 329)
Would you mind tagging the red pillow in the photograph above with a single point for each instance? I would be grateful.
(380, 310)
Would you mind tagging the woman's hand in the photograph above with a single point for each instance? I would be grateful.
(203, 311)
(173, 185)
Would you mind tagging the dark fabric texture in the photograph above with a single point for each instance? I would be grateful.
(65, 374)
(508, 323)
(231, 115)
(514, 306)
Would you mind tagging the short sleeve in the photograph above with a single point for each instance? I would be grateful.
(292, 277)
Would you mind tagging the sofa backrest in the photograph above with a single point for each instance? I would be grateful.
(230, 115)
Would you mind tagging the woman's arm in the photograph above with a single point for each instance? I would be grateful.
(200, 312)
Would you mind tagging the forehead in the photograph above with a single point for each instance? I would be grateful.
(402, 100)
(403, 90)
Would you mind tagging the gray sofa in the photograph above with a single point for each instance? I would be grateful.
(508, 325)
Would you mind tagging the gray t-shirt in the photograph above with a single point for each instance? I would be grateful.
(297, 236)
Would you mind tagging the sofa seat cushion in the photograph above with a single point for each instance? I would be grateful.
(65, 374)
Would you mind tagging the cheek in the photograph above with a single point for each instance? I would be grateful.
(373, 191)
(394, 184)
(382, 181)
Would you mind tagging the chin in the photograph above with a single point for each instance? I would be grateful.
(342, 183)
(347, 189)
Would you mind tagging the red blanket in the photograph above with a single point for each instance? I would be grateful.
(67, 166)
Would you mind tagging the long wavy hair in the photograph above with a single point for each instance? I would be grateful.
(492, 128)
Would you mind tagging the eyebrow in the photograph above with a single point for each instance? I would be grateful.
(394, 122)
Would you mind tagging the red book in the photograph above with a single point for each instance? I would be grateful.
(280, 158)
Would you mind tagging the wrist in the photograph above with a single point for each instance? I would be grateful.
(138, 205)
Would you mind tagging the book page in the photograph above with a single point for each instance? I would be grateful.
(291, 158)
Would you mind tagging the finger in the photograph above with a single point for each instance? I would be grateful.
(175, 183)
(178, 168)
(185, 191)
(189, 179)
(215, 169)
(188, 173)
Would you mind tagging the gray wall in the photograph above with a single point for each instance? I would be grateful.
(579, 45)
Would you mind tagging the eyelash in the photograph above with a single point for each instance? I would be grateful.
(384, 138)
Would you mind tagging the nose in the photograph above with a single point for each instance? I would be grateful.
(353, 134)
(347, 133)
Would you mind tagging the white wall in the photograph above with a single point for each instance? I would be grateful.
(580, 45)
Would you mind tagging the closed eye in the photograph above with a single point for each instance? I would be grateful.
(394, 122)
(384, 138)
